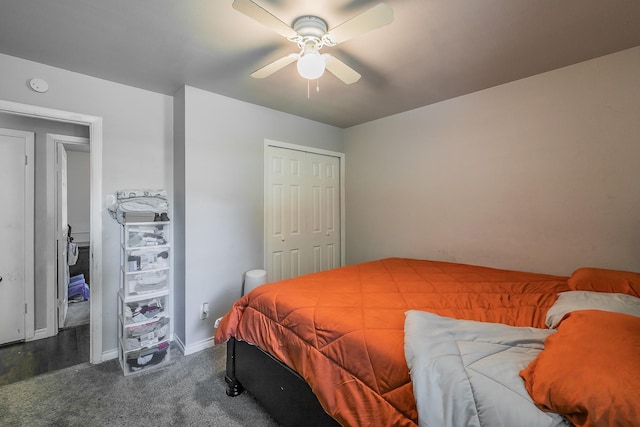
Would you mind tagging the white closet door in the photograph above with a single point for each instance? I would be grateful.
(285, 215)
(16, 234)
(323, 211)
(302, 201)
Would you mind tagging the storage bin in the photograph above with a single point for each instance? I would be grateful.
(144, 332)
(143, 335)
(146, 282)
(146, 259)
(143, 310)
(145, 358)
(79, 290)
(146, 235)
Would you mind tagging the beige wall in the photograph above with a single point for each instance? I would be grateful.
(540, 174)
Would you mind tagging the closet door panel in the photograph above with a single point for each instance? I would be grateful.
(286, 221)
(303, 212)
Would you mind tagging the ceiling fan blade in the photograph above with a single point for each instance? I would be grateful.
(376, 17)
(341, 70)
(276, 65)
(255, 12)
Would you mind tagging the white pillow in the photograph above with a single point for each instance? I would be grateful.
(586, 300)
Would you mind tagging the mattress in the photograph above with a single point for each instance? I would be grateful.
(342, 330)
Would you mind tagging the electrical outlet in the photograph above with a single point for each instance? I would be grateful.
(204, 311)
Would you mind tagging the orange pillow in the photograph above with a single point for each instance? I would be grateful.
(589, 371)
(601, 280)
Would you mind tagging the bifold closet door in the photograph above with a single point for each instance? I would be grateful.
(323, 211)
(303, 213)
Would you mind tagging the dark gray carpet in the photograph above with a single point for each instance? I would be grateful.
(187, 391)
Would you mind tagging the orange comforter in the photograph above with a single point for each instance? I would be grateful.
(343, 330)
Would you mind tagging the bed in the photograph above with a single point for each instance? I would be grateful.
(329, 348)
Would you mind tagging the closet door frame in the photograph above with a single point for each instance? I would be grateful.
(306, 149)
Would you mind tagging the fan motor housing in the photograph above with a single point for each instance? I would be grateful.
(310, 26)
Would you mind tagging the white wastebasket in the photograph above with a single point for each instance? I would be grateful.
(253, 279)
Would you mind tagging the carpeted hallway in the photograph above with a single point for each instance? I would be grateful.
(188, 391)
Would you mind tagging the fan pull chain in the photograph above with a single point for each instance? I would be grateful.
(309, 88)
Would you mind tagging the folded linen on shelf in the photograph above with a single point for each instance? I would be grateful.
(133, 194)
(138, 312)
(138, 216)
(138, 205)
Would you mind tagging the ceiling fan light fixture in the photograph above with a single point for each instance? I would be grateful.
(311, 65)
(311, 33)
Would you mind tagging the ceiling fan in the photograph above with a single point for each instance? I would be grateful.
(311, 33)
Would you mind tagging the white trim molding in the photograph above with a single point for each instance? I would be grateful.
(193, 348)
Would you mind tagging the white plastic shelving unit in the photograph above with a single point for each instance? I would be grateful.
(144, 296)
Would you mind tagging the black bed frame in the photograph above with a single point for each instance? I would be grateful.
(280, 390)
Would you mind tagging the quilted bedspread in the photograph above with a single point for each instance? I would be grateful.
(342, 330)
(466, 373)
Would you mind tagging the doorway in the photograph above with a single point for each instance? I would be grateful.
(304, 210)
(94, 125)
(73, 237)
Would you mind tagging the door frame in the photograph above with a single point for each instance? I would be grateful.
(95, 140)
(53, 142)
(28, 289)
(265, 191)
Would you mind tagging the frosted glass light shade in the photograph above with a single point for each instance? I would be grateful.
(311, 66)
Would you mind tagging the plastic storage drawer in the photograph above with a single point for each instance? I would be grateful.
(146, 235)
(136, 284)
(146, 358)
(138, 336)
(146, 259)
(144, 310)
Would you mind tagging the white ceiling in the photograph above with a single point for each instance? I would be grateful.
(434, 49)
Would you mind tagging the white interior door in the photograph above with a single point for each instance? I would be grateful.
(285, 216)
(323, 211)
(302, 208)
(16, 234)
(62, 234)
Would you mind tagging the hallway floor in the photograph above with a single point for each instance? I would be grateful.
(28, 359)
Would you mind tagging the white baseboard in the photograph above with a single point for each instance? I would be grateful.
(199, 346)
(176, 339)
(110, 354)
(193, 348)
(40, 334)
